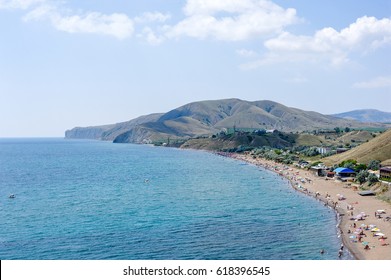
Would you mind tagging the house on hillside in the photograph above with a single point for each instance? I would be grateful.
(323, 150)
(385, 173)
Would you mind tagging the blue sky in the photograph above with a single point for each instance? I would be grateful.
(80, 63)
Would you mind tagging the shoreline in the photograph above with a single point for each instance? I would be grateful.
(346, 203)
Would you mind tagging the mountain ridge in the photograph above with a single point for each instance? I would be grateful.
(208, 117)
(366, 115)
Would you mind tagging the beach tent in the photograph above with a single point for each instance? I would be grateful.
(344, 172)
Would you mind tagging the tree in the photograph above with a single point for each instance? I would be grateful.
(337, 130)
(372, 178)
(349, 165)
(311, 152)
(362, 176)
(374, 165)
(360, 167)
(347, 129)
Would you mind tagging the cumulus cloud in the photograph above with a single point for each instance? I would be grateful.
(378, 82)
(231, 20)
(366, 34)
(116, 24)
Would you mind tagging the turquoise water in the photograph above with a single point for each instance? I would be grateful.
(97, 200)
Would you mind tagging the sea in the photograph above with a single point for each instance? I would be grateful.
(95, 200)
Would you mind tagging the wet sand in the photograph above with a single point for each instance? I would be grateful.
(347, 203)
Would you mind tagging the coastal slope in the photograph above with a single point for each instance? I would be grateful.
(378, 148)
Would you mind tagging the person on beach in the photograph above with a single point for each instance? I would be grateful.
(340, 252)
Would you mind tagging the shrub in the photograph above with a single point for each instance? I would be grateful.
(372, 179)
(374, 165)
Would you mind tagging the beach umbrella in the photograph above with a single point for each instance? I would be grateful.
(375, 229)
(364, 243)
(379, 234)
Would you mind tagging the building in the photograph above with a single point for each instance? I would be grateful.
(323, 150)
(385, 173)
(344, 172)
(318, 170)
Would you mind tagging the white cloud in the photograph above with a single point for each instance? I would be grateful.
(231, 20)
(19, 4)
(228, 20)
(378, 82)
(116, 24)
(366, 34)
(150, 36)
(152, 17)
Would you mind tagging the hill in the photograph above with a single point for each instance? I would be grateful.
(210, 117)
(109, 132)
(378, 148)
(366, 115)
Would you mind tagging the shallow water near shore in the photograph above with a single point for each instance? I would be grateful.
(77, 199)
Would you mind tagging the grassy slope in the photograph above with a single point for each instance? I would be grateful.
(378, 148)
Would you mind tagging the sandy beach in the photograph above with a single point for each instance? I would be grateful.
(348, 204)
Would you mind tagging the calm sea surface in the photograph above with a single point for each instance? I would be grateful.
(97, 200)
